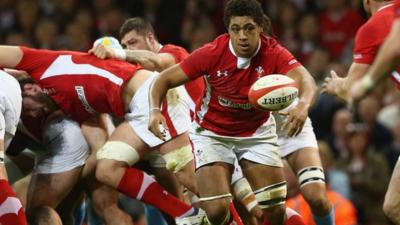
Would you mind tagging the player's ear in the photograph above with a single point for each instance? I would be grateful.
(150, 36)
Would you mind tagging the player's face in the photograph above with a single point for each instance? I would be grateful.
(135, 41)
(245, 35)
(35, 103)
(31, 89)
(32, 108)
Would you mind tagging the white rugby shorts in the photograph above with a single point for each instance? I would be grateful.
(176, 113)
(65, 147)
(305, 139)
(260, 148)
(10, 106)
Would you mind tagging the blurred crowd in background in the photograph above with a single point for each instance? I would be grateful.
(359, 149)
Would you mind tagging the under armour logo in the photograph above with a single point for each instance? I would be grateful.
(222, 73)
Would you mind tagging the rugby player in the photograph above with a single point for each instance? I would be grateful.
(226, 124)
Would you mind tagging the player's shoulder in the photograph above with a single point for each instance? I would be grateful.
(172, 47)
(381, 20)
(176, 51)
(270, 45)
(383, 16)
(269, 42)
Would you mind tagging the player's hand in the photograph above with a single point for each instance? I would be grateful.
(157, 124)
(102, 52)
(357, 92)
(333, 84)
(360, 89)
(296, 117)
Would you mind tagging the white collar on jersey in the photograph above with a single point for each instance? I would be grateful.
(385, 6)
(243, 63)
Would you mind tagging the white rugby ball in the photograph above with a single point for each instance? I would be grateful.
(273, 92)
(109, 42)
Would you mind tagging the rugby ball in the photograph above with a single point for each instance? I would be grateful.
(109, 42)
(273, 92)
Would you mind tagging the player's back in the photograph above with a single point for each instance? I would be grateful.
(79, 83)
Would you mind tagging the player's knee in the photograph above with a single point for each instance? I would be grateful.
(118, 151)
(275, 213)
(315, 195)
(312, 185)
(218, 212)
(110, 157)
(217, 208)
(272, 195)
(177, 159)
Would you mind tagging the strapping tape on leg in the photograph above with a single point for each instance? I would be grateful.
(120, 151)
(178, 158)
(244, 193)
(312, 174)
(211, 198)
(271, 195)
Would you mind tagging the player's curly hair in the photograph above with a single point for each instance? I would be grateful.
(250, 8)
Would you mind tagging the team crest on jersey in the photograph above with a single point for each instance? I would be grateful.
(260, 71)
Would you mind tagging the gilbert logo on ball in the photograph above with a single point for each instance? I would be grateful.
(109, 42)
(273, 92)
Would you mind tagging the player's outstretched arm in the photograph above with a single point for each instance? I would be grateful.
(169, 78)
(10, 56)
(308, 89)
(339, 86)
(149, 60)
(387, 59)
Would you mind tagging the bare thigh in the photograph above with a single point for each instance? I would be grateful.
(260, 175)
(393, 191)
(51, 189)
(304, 158)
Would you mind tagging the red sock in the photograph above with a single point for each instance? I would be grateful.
(137, 184)
(235, 215)
(292, 218)
(11, 211)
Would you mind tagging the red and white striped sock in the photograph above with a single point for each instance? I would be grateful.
(139, 185)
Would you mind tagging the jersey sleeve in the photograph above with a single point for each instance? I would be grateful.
(32, 59)
(197, 63)
(285, 60)
(364, 47)
(178, 53)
